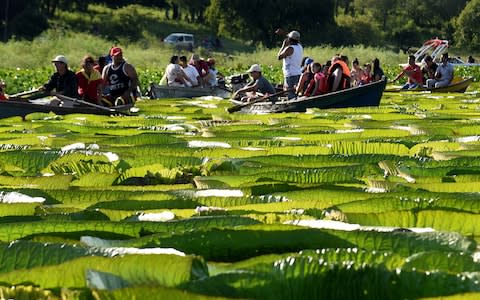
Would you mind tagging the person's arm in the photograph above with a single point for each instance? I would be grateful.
(51, 83)
(251, 87)
(132, 73)
(400, 75)
(285, 50)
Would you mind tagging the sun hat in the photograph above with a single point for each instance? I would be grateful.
(115, 51)
(60, 58)
(254, 68)
(294, 35)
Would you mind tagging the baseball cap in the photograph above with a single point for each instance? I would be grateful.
(255, 68)
(294, 35)
(115, 51)
(60, 58)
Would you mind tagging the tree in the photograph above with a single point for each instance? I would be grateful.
(466, 26)
(256, 20)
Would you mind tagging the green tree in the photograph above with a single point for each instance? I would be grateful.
(256, 20)
(466, 26)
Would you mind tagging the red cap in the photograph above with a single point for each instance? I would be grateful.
(115, 51)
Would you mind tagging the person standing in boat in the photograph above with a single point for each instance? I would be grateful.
(443, 75)
(121, 78)
(259, 87)
(191, 72)
(63, 81)
(90, 82)
(291, 53)
(414, 74)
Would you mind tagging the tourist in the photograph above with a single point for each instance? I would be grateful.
(305, 78)
(259, 87)
(291, 53)
(338, 74)
(201, 66)
(414, 74)
(3, 95)
(318, 85)
(191, 72)
(90, 82)
(443, 75)
(121, 78)
(377, 72)
(356, 72)
(63, 81)
(429, 68)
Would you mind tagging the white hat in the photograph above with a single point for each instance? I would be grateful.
(294, 35)
(60, 58)
(255, 68)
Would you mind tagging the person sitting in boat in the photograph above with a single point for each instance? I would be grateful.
(214, 75)
(443, 75)
(3, 96)
(201, 66)
(471, 60)
(90, 82)
(429, 68)
(377, 72)
(305, 78)
(191, 72)
(339, 74)
(174, 74)
(366, 74)
(414, 74)
(63, 81)
(121, 78)
(318, 85)
(259, 87)
(356, 72)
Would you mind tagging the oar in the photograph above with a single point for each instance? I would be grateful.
(240, 106)
(26, 93)
(75, 100)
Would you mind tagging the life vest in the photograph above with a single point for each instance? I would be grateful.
(344, 81)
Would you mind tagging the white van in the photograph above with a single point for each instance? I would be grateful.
(181, 40)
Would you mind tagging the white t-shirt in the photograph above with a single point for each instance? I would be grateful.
(292, 65)
(191, 73)
(173, 72)
(212, 77)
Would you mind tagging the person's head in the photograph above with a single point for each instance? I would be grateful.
(255, 71)
(355, 63)
(445, 58)
(334, 59)
(174, 59)
(61, 63)
(87, 63)
(316, 67)
(195, 59)
(344, 58)
(211, 62)
(117, 55)
(367, 67)
(428, 60)
(293, 37)
(102, 61)
(183, 61)
(411, 60)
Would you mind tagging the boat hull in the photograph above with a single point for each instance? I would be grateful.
(459, 85)
(366, 95)
(12, 108)
(161, 91)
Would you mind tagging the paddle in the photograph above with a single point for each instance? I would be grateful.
(75, 100)
(240, 106)
(26, 93)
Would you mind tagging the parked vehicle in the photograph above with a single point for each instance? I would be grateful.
(180, 40)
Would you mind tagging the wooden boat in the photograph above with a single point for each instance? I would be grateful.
(365, 95)
(157, 91)
(21, 108)
(458, 85)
